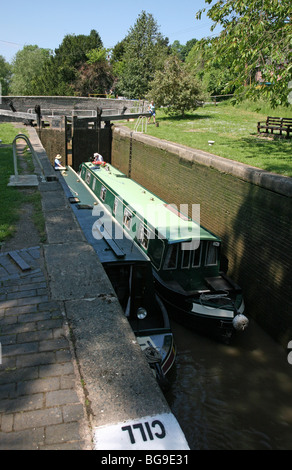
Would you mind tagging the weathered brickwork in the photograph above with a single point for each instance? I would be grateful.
(253, 222)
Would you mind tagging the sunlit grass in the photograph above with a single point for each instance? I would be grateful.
(11, 198)
(234, 132)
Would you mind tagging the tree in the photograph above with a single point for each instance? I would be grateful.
(95, 76)
(175, 87)
(214, 76)
(26, 67)
(5, 76)
(145, 50)
(74, 49)
(61, 71)
(182, 50)
(256, 36)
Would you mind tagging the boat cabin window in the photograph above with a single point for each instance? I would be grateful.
(171, 257)
(211, 253)
(127, 218)
(93, 184)
(143, 236)
(115, 208)
(87, 177)
(186, 258)
(102, 193)
(197, 255)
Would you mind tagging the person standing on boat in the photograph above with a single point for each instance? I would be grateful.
(152, 111)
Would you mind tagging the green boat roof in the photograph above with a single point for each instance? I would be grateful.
(163, 217)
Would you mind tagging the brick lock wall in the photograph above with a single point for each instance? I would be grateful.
(254, 224)
(54, 142)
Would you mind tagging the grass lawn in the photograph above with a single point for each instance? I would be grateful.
(11, 199)
(234, 131)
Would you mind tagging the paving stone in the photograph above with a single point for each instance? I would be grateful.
(39, 404)
(41, 385)
(22, 404)
(18, 375)
(36, 359)
(61, 397)
(7, 390)
(55, 369)
(37, 418)
(32, 440)
(53, 344)
(20, 349)
(6, 424)
(61, 433)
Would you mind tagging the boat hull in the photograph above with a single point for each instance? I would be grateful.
(130, 273)
(184, 255)
(216, 322)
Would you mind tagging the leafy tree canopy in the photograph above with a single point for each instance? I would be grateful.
(95, 76)
(61, 72)
(182, 50)
(256, 36)
(5, 75)
(145, 50)
(26, 67)
(175, 87)
(74, 49)
(214, 77)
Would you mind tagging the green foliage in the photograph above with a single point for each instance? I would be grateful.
(256, 36)
(215, 77)
(175, 87)
(5, 75)
(74, 49)
(233, 128)
(60, 74)
(182, 50)
(26, 68)
(145, 50)
(11, 198)
(95, 76)
(96, 56)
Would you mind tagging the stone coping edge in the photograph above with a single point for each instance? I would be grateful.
(271, 181)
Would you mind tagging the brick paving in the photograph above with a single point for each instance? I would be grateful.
(41, 399)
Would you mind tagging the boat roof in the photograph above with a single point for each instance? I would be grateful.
(99, 227)
(163, 217)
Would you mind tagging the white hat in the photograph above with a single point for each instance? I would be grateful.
(59, 157)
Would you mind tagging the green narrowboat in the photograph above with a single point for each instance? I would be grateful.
(185, 256)
(130, 272)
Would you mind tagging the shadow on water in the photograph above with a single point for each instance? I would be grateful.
(232, 397)
(238, 396)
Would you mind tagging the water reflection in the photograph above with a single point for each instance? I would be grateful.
(236, 397)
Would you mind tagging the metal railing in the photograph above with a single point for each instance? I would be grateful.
(53, 112)
(57, 112)
(141, 121)
(34, 155)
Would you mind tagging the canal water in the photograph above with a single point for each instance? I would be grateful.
(232, 397)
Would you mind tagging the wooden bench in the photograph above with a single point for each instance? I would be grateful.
(276, 126)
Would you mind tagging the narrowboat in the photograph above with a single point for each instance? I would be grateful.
(185, 257)
(130, 272)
